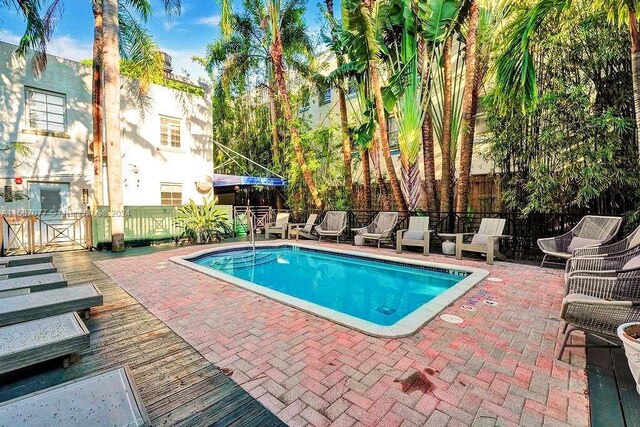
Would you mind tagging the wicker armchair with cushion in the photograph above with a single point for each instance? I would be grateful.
(630, 242)
(599, 302)
(602, 265)
(591, 231)
(381, 228)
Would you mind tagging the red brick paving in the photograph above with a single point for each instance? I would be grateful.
(496, 368)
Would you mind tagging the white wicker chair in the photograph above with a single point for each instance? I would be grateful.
(418, 234)
(630, 242)
(592, 231)
(381, 228)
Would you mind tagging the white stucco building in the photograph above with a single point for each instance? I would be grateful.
(166, 138)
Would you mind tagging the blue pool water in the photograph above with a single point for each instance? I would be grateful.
(375, 291)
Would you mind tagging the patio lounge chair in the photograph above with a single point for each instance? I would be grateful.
(418, 234)
(381, 228)
(278, 227)
(591, 231)
(28, 343)
(303, 229)
(13, 261)
(104, 398)
(24, 285)
(485, 241)
(333, 224)
(26, 270)
(22, 308)
(598, 304)
(630, 242)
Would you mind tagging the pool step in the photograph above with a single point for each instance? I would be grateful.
(227, 263)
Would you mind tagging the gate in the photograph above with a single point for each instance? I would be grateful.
(30, 234)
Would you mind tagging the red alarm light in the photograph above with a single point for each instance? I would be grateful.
(18, 180)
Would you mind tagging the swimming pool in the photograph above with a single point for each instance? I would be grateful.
(378, 295)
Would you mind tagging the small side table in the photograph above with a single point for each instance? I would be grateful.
(358, 240)
(449, 244)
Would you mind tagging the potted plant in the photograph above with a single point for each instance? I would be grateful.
(629, 333)
(205, 223)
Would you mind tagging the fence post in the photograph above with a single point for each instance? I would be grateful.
(88, 230)
(31, 221)
(1, 235)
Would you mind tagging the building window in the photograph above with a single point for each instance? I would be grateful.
(46, 110)
(352, 90)
(392, 133)
(171, 194)
(169, 132)
(325, 96)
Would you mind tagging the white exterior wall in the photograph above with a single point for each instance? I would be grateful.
(65, 158)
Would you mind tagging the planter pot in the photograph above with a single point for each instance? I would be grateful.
(631, 348)
(448, 248)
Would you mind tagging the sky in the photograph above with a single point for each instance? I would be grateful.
(182, 37)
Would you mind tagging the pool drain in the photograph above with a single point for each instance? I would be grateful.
(386, 310)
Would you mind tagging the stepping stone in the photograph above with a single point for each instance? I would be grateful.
(107, 398)
(26, 270)
(24, 285)
(28, 343)
(13, 261)
(38, 305)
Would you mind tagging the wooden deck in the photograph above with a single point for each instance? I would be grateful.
(613, 397)
(177, 384)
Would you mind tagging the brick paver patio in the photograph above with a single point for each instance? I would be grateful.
(496, 368)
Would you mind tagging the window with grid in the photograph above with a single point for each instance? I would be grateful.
(171, 194)
(169, 132)
(392, 133)
(47, 110)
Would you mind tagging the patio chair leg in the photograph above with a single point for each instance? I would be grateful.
(86, 313)
(544, 258)
(564, 341)
(564, 328)
(66, 362)
(378, 244)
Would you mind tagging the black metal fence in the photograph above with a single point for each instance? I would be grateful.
(525, 230)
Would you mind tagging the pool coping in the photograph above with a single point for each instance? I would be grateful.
(404, 327)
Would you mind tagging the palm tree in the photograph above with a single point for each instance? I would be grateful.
(275, 13)
(472, 82)
(96, 102)
(39, 28)
(246, 51)
(111, 66)
(445, 141)
(342, 100)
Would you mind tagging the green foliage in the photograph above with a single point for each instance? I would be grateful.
(205, 222)
(572, 148)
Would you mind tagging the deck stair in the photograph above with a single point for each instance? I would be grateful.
(242, 260)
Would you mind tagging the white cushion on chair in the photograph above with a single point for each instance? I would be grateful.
(413, 235)
(581, 242)
(632, 263)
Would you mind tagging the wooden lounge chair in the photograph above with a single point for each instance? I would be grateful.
(418, 234)
(13, 261)
(107, 398)
(303, 229)
(381, 228)
(485, 241)
(25, 285)
(37, 305)
(278, 227)
(26, 270)
(599, 303)
(333, 224)
(591, 231)
(25, 344)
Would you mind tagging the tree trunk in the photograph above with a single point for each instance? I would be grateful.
(111, 63)
(344, 120)
(472, 81)
(375, 158)
(384, 138)
(96, 104)
(445, 181)
(428, 157)
(366, 177)
(273, 111)
(635, 69)
(278, 65)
